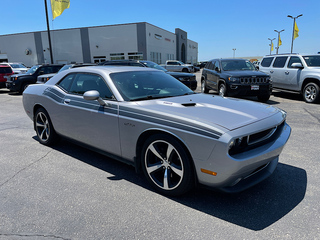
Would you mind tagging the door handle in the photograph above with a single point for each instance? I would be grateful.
(271, 71)
(286, 72)
(67, 101)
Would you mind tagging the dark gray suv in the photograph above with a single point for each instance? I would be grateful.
(235, 77)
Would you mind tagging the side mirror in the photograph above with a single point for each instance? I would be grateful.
(296, 65)
(94, 95)
(217, 69)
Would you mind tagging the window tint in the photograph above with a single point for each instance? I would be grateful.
(312, 61)
(83, 82)
(216, 66)
(66, 82)
(280, 62)
(209, 65)
(266, 62)
(135, 64)
(5, 70)
(294, 60)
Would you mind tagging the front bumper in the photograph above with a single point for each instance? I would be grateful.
(248, 90)
(13, 86)
(240, 172)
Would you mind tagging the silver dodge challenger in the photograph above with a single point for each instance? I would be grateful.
(147, 118)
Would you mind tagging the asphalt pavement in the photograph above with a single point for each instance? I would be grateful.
(68, 192)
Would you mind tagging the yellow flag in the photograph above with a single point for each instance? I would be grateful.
(296, 31)
(279, 41)
(58, 6)
(271, 46)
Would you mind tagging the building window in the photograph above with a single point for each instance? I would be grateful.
(99, 59)
(135, 56)
(155, 57)
(170, 56)
(116, 56)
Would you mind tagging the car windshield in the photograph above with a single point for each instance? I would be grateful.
(145, 85)
(237, 65)
(65, 67)
(154, 65)
(33, 69)
(17, 65)
(312, 61)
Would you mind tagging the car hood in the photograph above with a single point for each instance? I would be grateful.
(21, 74)
(47, 75)
(209, 110)
(245, 73)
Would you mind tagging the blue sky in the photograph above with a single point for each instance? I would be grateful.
(217, 26)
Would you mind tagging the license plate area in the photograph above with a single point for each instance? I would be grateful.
(254, 87)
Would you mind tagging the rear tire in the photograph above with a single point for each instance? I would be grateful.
(311, 93)
(204, 88)
(44, 127)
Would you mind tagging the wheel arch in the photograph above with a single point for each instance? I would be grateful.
(309, 80)
(146, 134)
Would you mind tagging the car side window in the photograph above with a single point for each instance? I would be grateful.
(217, 66)
(279, 62)
(66, 82)
(294, 60)
(209, 65)
(266, 62)
(83, 82)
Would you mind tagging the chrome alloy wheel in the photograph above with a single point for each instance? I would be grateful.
(164, 165)
(42, 127)
(310, 93)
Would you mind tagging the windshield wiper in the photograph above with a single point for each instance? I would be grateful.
(147, 98)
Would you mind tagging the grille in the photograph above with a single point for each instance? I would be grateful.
(253, 80)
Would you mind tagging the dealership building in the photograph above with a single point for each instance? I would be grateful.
(142, 41)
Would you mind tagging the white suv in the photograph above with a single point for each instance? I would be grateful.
(294, 72)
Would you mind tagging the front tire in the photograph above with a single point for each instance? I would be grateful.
(222, 90)
(311, 93)
(166, 165)
(44, 127)
(264, 97)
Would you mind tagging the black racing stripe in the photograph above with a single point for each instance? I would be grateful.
(170, 122)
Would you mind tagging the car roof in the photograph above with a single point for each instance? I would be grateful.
(110, 69)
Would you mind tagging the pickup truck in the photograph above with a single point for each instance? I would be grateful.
(177, 66)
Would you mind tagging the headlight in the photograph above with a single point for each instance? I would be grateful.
(233, 79)
(182, 79)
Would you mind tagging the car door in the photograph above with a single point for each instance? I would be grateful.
(87, 121)
(213, 74)
(277, 73)
(293, 75)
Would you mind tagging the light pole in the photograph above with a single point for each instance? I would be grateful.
(234, 52)
(294, 23)
(271, 44)
(278, 39)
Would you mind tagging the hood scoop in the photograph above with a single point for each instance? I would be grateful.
(189, 104)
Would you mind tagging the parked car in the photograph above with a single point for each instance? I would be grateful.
(5, 71)
(146, 118)
(235, 77)
(19, 82)
(17, 68)
(187, 79)
(44, 78)
(294, 72)
(177, 66)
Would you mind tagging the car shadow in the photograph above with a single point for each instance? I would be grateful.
(255, 209)
(4, 91)
(288, 95)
